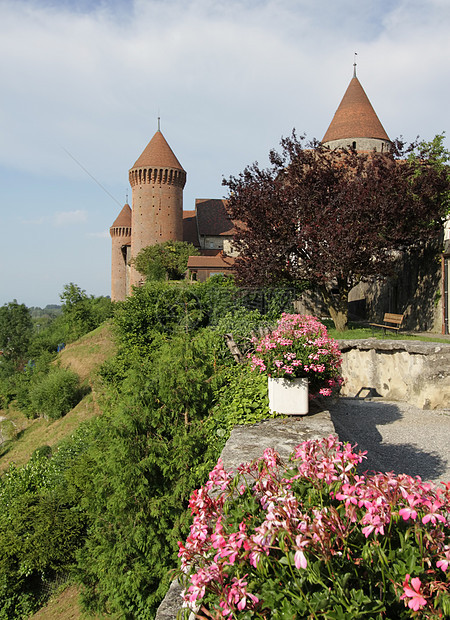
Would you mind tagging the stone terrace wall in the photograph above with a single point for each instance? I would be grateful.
(249, 442)
(414, 372)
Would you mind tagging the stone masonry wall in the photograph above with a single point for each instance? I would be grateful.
(414, 372)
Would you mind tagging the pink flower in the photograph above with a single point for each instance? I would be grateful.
(299, 557)
(409, 512)
(442, 564)
(325, 391)
(300, 560)
(237, 595)
(413, 593)
(433, 516)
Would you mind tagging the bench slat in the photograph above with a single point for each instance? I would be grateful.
(395, 320)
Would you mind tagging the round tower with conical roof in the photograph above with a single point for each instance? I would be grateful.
(355, 123)
(120, 233)
(157, 180)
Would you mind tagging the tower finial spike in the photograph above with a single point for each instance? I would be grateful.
(354, 64)
(159, 123)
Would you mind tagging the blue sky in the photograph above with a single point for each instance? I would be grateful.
(85, 80)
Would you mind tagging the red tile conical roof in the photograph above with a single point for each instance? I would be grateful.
(158, 154)
(355, 117)
(123, 220)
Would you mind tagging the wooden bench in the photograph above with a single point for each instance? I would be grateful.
(395, 321)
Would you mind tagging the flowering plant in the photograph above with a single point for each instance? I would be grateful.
(299, 346)
(312, 539)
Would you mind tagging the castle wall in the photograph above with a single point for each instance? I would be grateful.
(119, 268)
(361, 144)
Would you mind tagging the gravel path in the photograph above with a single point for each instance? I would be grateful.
(398, 436)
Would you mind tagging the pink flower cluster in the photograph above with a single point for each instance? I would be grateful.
(299, 346)
(314, 508)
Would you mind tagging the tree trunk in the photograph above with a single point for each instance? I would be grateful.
(234, 349)
(336, 300)
(340, 319)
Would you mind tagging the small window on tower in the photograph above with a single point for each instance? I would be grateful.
(354, 145)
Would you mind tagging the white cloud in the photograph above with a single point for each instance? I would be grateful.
(228, 78)
(92, 77)
(104, 234)
(68, 218)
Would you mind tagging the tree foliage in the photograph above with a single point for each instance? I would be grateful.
(166, 260)
(82, 313)
(108, 505)
(15, 333)
(55, 394)
(333, 218)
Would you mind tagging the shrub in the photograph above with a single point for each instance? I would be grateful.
(165, 260)
(313, 539)
(243, 325)
(56, 394)
(242, 398)
(40, 528)
(154, 309)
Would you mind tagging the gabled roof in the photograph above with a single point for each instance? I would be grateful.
(190, 228)
(212, 217)
(355, 117)
(123, 220)
(158, 154)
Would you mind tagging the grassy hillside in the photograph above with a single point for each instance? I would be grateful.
(65, 606)
(84, 357)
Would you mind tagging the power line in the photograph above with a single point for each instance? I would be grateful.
(92, 177)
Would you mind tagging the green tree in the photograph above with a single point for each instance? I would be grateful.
(55, 394)
(166, 260)
(83, 313)
(155, 450)
(434, 153)
(15, 334)
(154, 309)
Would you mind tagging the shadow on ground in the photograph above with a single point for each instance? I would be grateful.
(392, 439)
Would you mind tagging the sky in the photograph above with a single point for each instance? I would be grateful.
(84, 81)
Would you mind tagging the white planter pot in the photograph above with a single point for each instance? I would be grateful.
(288, 396)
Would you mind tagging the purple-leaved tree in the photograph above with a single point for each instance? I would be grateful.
(334, 218)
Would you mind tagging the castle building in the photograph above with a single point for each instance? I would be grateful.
(157, 180)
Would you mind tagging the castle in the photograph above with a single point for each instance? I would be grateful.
(157, 180)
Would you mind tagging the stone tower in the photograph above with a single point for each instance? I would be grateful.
(355, 123)
(157, 180)
(120, 233)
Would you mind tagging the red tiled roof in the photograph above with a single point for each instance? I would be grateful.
(212, 217)
(123, 220)
(158, 153)
(355, 117)
(210, 262)
(190, 234)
